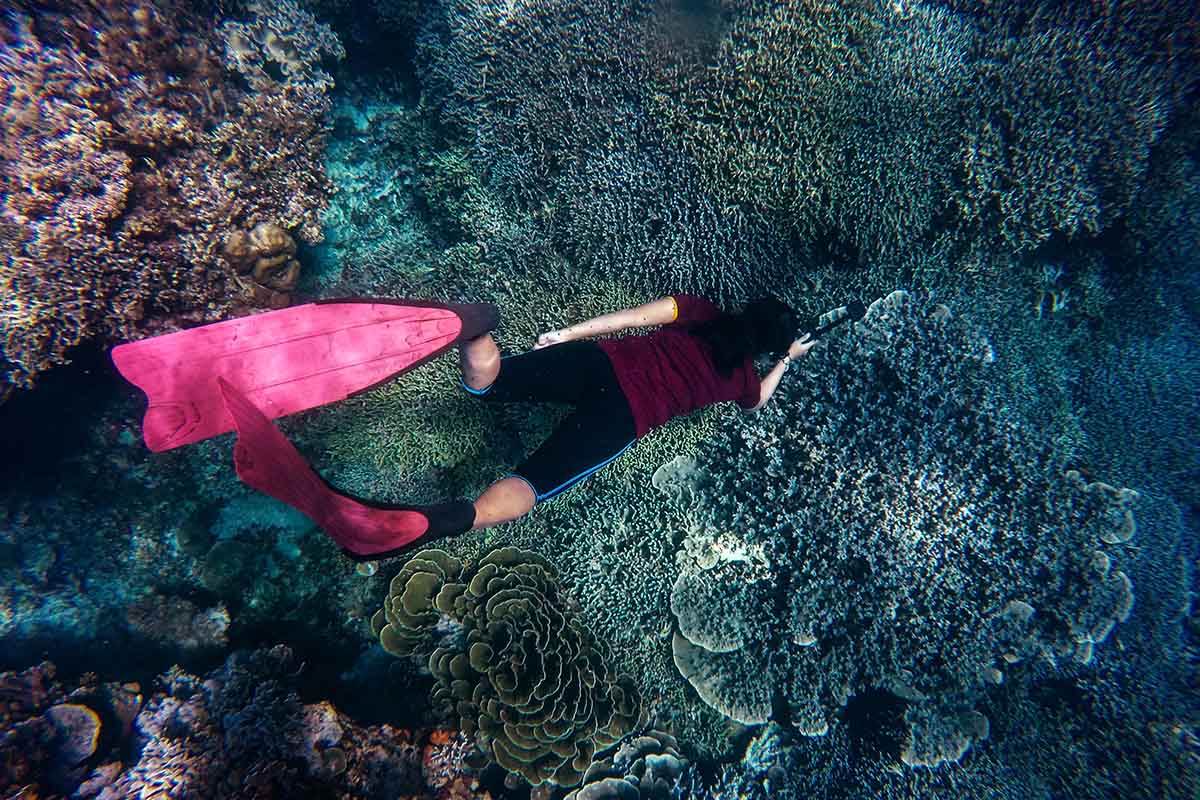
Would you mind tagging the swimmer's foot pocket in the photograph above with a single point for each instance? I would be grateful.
(478, 319)
(443, 520)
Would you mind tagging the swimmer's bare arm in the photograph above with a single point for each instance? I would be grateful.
(658, 312)
(770, 381)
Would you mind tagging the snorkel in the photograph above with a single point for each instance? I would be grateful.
(851, 312)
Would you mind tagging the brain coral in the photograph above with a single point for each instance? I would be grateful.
(884, 524)
(130, 149)
(518, 667)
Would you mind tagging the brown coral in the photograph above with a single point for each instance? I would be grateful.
(264, 259)
(128, 154)
(527, 679)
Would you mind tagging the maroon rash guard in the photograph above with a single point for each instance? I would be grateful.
(669, 373)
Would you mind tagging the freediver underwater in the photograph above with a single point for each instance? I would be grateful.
(240, 374)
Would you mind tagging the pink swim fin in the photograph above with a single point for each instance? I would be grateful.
(267, 461)
(288, 360)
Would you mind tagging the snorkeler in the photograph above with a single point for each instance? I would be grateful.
(242, 373)
(623, 388)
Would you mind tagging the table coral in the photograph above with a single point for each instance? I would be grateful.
(519, 669)
(130, 152)
(908, 535)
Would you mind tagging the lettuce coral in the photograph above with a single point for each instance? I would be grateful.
(885, 525)
(519, 669)
(131, 149)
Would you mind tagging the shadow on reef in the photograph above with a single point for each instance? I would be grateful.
(40, 430)
(875, 720)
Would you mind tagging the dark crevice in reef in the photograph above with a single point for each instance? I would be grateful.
(875, 721)
(376, 47)
(42, 429)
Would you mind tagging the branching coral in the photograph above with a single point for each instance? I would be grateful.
(710, 140)
(129, 155)
(836, 122)
(1059, 135)
(552, 101)
(636, 210)
(885, 525)
(520, 670)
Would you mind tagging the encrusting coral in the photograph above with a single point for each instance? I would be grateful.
(134, 140)
(511, 659)
(885, 525)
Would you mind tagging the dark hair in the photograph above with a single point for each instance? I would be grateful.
(762, 326)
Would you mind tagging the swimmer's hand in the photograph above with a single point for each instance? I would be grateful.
(550, 338)
(801, 346)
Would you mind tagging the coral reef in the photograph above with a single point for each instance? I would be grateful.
(837, 122)
(551, 101)
(515, 663)
(935, 571)
(48, 735)
(886, 547)
(1064, 125)
(177, 622)
(641, 767)
(242, 731)
(134, 142)
(703, 145)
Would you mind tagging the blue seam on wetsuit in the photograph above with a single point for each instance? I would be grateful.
(484, 390)
(476, 392)
(564, 486)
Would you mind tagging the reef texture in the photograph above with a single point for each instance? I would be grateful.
(135, 140)
(644, 767)
(512, 661)
(241, 732)
(551, 101)
(884, 525)
(701, 145)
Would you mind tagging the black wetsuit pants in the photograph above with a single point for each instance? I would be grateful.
(599, 429)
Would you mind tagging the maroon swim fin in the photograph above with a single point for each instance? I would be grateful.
(267, 461)
(288, 360)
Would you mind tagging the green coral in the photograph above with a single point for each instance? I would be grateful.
(525, 676)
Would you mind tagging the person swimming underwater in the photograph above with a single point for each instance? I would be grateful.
(242, 373)
(621, 389)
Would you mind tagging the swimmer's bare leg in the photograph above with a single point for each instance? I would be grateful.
(479, 359)
(505, 500)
